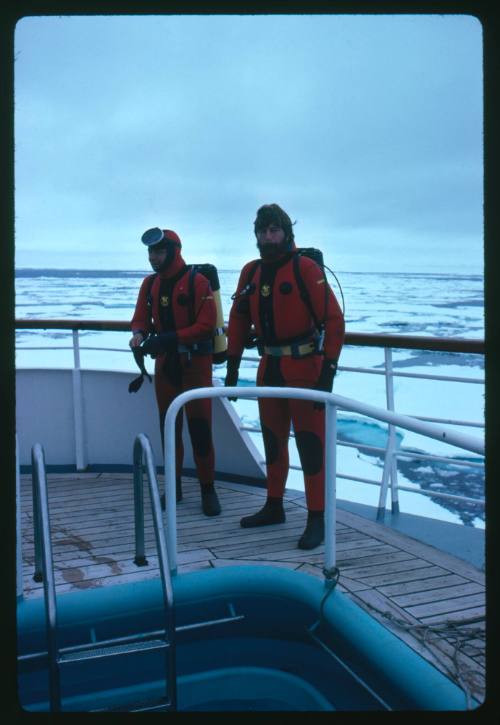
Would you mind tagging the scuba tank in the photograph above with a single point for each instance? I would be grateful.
(313, 253)
(219, 340)
(317, 256)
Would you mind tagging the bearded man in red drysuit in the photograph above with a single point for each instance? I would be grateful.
(294, 354)
(174, 322)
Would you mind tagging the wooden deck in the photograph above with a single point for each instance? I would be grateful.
(430, 599)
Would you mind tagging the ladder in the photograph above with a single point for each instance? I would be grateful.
(122, 646)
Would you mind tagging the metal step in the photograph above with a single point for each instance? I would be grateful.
(161, 704)
(113, 650)
(140, 637)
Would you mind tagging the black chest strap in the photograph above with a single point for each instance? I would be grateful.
(166, 287)
(192, 273)
(304, 294)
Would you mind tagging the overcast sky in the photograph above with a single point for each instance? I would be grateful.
(366, 129)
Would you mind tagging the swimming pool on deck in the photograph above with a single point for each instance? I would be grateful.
(247, 638)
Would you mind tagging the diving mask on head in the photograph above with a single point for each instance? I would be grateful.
(153, 236)
(160, 239)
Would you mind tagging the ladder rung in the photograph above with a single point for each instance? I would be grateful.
(156, 707)
(161, 704)
(112, 650)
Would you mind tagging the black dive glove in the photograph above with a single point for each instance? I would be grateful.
(325, 380)
(158, 344)
(232, 373)
(252, 340)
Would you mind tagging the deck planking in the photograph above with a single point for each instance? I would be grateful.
(430, 599)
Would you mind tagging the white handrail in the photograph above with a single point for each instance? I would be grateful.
(332, 402)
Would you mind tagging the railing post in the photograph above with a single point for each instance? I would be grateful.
(169, 467)
(138, 457)
(390, 467)
(81, 460)
(41, 517)
(19, 555)
(392, 435)
(143, 454)
(330, 485)
(37, 530)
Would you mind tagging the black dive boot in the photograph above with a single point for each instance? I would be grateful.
(178, 493)
(209, 500)
(271, 513)
(314, 533)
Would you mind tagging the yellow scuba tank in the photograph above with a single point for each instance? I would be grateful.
(219, 340)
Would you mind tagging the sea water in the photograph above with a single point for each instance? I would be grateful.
(436, 305)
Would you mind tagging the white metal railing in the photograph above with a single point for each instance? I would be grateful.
(390, 374)
(390, 453)
(332, 403)
(394, 483)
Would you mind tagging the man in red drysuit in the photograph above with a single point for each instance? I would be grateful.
(174, 322)
(286, 316)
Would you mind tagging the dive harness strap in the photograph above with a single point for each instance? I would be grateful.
(197, 348)
(297, 349)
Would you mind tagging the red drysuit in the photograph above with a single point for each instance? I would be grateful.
(172, 308)
(273, 304)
